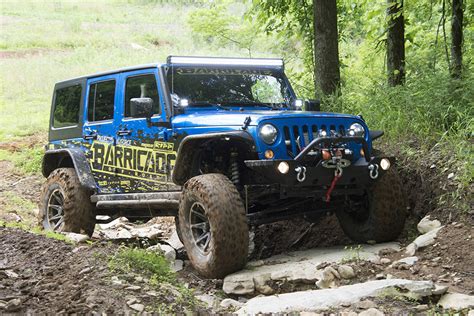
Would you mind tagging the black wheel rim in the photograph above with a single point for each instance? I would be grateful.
(200, 228)
(55, 210)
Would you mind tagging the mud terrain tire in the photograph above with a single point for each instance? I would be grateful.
(216, 197)
(383, 216)
(78, 212)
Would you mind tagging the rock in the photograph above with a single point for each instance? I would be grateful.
(371, 312)
(346, 272)
(451, 175)
(228, 302)
(132, 301)
(178, 265)
(439, 289)
(419, 289)
(456, 301)
(365, 304)
(77, 238)
(344, 313)
(379, 276)
(174, 241)
(10, 274)
(424, 240)
(13, 305)
(426, 225)
(410, 249)
(138, 307)
(168, 252)
(385, 261)
(238, 286)
(208, 299)
(329, 276)
(321, 299)
(133, 288)
(85, 270)
(422, 308)
(261, 285)
(408, 261)
(255, 264)
(296, 267)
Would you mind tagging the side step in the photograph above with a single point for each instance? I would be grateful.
(155, 200)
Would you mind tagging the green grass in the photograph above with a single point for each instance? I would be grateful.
(27, 160)
(36, 230)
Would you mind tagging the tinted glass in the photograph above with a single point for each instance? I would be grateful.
(142, 87)
(229, 86)
(66, 106)
(101, 101)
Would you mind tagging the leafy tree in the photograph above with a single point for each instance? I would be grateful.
(456, 38)
(395, 43)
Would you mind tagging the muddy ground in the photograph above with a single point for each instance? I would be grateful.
(44, 275)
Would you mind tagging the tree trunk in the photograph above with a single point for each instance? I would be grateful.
(326, 52)
(395, 43)
(456, 39)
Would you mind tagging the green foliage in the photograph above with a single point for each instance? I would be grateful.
(148, 263)
(28, 160)
(353, 254)
(36, 230)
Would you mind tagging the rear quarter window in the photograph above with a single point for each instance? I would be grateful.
(67, 103)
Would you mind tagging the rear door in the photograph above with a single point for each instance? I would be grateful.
(99, 130)
(149, 155)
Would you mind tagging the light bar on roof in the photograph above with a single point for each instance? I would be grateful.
(225, 61)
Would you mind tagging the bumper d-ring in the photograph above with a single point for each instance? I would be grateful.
(300, 173)
(374, 171)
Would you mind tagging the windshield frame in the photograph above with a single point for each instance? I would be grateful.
(277, 70)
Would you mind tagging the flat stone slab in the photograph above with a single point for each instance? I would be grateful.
(315, 300)
(456, 301)
(298, 266)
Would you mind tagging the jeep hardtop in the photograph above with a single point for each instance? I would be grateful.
(221, 144)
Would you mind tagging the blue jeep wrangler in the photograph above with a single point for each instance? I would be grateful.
(218, 143)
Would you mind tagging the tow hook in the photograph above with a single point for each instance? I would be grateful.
(374, 171)
(300, 173)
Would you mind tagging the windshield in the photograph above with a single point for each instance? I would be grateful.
(229, 86)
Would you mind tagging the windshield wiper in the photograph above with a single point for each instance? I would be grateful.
(209, 103)
(250, 103)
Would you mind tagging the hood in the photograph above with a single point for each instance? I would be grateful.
(201, 117)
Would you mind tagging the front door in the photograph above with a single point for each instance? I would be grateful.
(99, 131)
(149, 157)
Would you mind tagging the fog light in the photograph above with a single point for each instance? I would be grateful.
(385, 164)
(283, 167)
(269, 154)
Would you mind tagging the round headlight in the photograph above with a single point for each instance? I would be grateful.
(357, 129)
(268, 133)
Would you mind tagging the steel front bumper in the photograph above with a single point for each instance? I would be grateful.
(361, 172)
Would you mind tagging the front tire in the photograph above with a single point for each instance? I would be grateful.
(380, 214)
(213, 225)
(65, 205)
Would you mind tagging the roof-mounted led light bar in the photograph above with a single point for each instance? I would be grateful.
(227, 61)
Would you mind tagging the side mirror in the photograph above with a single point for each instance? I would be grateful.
(313, 105)
(141, 107)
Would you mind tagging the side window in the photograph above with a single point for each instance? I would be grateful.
(101, 101)
(66, 106)
(142, 87)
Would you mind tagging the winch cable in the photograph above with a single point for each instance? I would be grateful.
(337, 176)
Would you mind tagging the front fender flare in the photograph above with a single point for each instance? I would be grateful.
(187, 150)
(52, 160)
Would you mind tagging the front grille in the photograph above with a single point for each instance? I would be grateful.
(298, 137)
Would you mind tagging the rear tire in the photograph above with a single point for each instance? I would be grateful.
(382, 213)
(65, 205)
(213, 225)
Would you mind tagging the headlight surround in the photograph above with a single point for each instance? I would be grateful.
(268, 133)
(357, 129)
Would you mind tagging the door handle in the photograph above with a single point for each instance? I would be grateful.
(124, 132)
(91, 135)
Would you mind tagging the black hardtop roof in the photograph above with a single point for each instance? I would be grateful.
(110, 72)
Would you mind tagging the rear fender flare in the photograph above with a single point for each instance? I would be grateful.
(53, 159)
